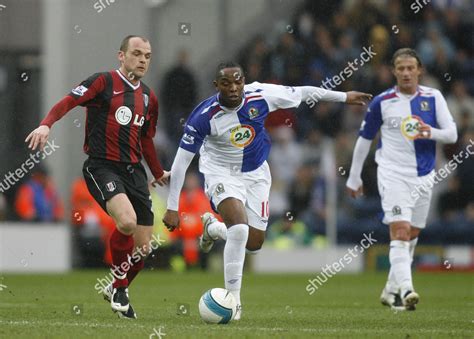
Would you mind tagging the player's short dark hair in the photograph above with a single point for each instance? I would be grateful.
(406, 52)
(227, 64)
(124, 44)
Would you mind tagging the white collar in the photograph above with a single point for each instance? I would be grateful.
(128, 81)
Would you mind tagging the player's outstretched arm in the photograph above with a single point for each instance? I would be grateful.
(358, 98)
(84, 92)
(180, 165)
(354, 183)
(311, 95)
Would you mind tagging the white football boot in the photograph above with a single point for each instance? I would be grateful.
(205, 240)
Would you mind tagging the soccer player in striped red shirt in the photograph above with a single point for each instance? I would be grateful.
(122, 113)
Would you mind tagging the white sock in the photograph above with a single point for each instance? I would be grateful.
(217, 230)
(234, 256)
(401, 265)
(413, 243)
(391, 285)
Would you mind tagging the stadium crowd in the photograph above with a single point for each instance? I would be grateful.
(318, 48)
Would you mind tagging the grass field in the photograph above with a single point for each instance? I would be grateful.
(277, 306)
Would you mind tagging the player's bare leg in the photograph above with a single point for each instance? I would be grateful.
(142, 241)
(235, 218)
(121, 245)
(255, 240)
(400, 261)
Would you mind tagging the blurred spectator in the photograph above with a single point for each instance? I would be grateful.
(431, 45)
(93, 227)
(465, 171)
(193, 203)
(286, 233)
(449, 202)
(37, 198)
(286, 156)
(315, 216)
(179, 95)
(301, 190)
(459, 102)
(255, 59)
(3, 207)
(287, 61)
(380, 43)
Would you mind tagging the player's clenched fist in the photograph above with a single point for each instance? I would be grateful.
(39, 137)
(171, 220)
(424, 131)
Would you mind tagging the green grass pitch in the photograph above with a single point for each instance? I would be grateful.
(275, 306)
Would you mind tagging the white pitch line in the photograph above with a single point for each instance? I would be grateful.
(72, 324)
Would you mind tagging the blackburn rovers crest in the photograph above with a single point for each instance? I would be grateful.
(424, 105)
(253, 112)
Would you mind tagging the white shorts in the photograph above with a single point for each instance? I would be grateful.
(252, 188)
(405, 198)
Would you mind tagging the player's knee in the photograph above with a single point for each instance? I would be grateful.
(143, 250)
(400, 231)
(254, 246)
(127, 222)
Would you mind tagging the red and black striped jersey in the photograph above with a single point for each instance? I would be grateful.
(121, 118)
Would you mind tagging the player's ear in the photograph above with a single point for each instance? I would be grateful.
(215, 84)
(121, 56)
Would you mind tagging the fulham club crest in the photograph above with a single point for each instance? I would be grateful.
(111, 186)
(145, 100)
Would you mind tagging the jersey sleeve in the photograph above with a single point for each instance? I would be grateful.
(86, 91)
(196, 129)
(279, 97)
(446, 131)
(372, 121)
(444, 119)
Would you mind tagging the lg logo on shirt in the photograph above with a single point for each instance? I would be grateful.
(124, 115)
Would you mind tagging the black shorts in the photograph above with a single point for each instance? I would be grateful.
(106, 178)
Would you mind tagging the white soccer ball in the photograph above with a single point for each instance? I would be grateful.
(217, 306)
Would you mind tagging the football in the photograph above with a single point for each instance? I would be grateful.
(217, 306)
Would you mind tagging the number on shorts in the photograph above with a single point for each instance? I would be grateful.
(265, 209)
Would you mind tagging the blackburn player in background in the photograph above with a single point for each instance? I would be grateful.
(411, 118)
(228, 130)
(122, 113)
